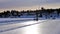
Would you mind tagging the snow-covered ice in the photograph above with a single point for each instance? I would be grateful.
(33, 27)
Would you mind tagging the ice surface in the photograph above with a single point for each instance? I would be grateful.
(48, 26)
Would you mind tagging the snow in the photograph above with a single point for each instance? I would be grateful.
(17, 25)
(5, 21)
(48, 26)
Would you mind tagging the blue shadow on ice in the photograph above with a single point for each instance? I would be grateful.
(20, 27)
(13, 21)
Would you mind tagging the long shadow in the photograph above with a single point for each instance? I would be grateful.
(13, 21)
(20, 27)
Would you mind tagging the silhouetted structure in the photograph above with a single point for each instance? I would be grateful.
(47, 13)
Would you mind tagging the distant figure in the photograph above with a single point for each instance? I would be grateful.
(36, 16)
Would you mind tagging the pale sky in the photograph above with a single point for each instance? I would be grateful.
(28, 4)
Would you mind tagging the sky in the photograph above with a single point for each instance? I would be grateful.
(28, 4)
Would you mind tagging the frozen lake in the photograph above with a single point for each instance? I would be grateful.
(30, 27)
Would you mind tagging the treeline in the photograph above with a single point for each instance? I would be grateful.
(40, 13)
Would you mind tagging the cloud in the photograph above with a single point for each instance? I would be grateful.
(25, 3)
